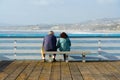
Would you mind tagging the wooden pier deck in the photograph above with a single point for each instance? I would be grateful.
(37, 70)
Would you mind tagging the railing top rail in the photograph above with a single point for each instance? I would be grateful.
(84, 35)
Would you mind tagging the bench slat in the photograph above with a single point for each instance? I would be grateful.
(67, 52)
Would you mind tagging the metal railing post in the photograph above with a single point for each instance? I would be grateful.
(15, 48)
(99, 48)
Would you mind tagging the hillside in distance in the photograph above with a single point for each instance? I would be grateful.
(98, 25)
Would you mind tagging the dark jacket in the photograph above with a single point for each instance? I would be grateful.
(49, 43)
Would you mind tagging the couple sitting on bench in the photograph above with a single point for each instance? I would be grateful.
(50, 43)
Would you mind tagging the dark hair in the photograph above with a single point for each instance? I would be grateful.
(63, 35)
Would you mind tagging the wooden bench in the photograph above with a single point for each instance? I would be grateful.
(83, 53)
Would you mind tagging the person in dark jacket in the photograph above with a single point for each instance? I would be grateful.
(49, 43)
(64, 43)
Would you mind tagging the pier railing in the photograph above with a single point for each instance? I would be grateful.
(27, 46)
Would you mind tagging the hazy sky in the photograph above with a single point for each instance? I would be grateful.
(56, 11)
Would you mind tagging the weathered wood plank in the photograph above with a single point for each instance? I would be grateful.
(95, 72)
(16, 73)
(112, 70)
(36, 72)
(9, 69)
(86, 74)
(76, 75)
(27, 71)
(65, 71)
(46, 71)
(116, 65)
(55, 71)
(104, 71)
(4, 64)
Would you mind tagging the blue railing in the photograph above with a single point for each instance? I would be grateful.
(85, 35)
(27, 46)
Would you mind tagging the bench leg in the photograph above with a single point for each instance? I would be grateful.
(83, 58)
(67, 58)
(50, 58)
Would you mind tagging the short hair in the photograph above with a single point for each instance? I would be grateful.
(51, 32)
(63, 35)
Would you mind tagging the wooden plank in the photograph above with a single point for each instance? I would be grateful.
(9, 69)
(65, 71)
(46, 71)
(68, 52)
(27, 71)
(116, 64)
(86, 74)
(12, 67)
(3, 64)
(76, 75)
(16, 73)
(55, 71)
(104, 71)
(36, 72)
(95, 72)
(112, 70)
